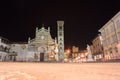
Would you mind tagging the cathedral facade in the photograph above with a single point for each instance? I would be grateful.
(41, 48)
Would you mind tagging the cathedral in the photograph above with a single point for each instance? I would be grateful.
(41, 48)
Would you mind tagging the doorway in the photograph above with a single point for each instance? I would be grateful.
(41, 56)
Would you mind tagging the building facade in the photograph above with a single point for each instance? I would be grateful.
(111, 38)
(18, 51)
(97, 48)
(41, 48)
(4, 48)
(77, 55)
(75, 52)
(60, 28)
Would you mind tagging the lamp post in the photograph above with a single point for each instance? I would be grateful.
(67, 53)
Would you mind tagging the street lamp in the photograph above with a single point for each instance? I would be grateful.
(68, 51)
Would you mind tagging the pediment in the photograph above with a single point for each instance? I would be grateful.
(43, 36)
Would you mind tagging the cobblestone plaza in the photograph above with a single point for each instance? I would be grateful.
(59, 71)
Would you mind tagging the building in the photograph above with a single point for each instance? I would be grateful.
(77, 55)
(60, 28)
(4, 48)
(75, 51)
(18, 51)
(111, 38)
(41, 48)
(97, 48)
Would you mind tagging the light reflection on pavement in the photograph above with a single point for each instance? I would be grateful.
(15, 75)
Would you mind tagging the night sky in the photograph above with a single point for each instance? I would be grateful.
(83, 19)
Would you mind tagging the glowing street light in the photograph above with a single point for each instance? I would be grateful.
(68, 51)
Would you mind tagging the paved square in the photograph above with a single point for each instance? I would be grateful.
(59, 71)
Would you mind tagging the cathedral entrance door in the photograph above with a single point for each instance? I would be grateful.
(41, 56)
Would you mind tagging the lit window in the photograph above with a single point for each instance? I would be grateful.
(112, 28)
(108, 41)
(118, 24)
(118, 35)
(104, 43)
(114, 39)
(107, 32)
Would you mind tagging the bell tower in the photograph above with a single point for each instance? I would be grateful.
(60, 30)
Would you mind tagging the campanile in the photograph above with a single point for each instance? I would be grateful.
(60, 32)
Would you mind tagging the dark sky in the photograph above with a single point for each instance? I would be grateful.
(83, 19)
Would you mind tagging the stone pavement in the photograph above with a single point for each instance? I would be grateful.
(59, 71)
